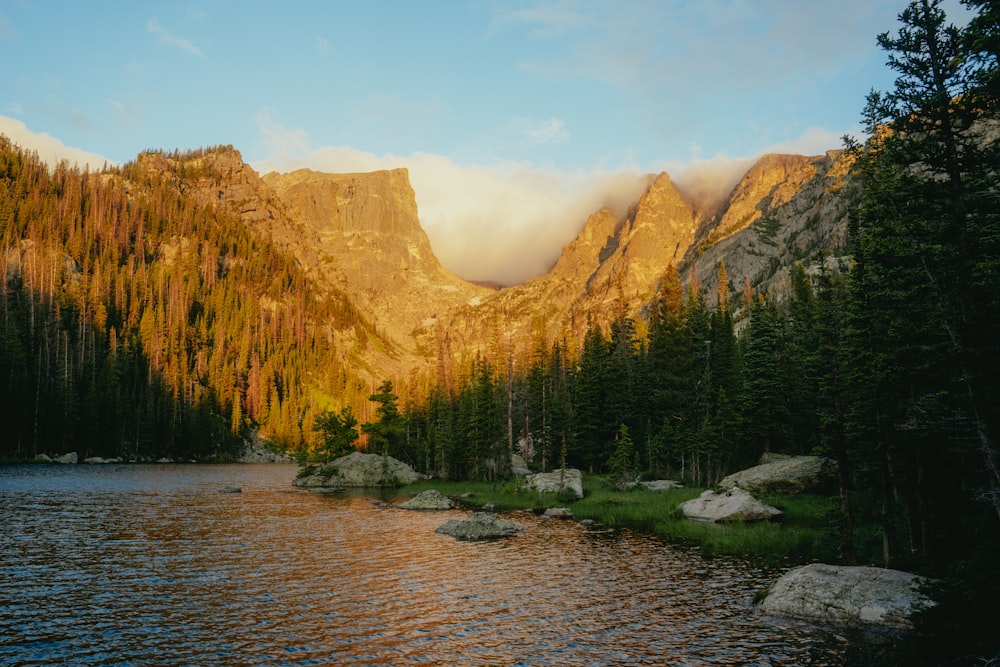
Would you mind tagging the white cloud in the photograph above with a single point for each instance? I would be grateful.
(49, 149)
(170, 39)
(506, 222)
(545, 20)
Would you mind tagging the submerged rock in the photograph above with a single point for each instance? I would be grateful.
(431, 499)
(733, 505)
(564, 479)
(558, 513)
(230, 489)
(480, 527)
(782, 474)
(851, 596)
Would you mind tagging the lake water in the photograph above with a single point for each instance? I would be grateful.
(152, 565)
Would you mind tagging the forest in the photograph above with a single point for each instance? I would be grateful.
(887, 363)
(136, 323)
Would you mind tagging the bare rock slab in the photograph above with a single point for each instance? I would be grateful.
(847, 596)
(431, 499)
(733, 505)
(782, 474)
(482, 526)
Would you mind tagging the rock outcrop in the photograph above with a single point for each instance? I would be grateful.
(563, 480)
(361, 233)
(71, 457)
(847, 596)
(733, 505)
(782, 474)
(357, 469)
(431, 499)
(482, 526)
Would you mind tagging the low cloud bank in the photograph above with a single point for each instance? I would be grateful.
(506, 223)
(49, 149)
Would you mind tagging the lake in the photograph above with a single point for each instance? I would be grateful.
(154, 565)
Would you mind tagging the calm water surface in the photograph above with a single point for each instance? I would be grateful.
(152, 565)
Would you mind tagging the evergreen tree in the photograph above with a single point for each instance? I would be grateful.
(338, 432)
(385, 435)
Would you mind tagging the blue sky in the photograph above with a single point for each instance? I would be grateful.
(514, 117)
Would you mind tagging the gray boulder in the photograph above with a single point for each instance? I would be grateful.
(661, 485)
(42, 458)
(431, 499)
(557, 513)
(98, 460)
(254, 450)
(564, 479)
(480, 527)
(67, 458)
(733, 505)
(847, 596)
(358, 469)
(518, 466)
(782, 474)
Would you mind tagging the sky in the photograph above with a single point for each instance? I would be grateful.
(516, 119)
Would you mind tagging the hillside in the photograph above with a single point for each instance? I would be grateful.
(267, 299)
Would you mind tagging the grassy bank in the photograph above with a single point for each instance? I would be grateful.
(802, 536)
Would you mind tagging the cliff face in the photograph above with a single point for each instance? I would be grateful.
(787, 208)
(361, 234)
(365, 233)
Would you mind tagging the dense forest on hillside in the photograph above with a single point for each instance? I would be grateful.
(137, 324)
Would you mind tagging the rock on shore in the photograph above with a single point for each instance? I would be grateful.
(847, 596)
(568, 479)
(733, 505)
(781, 474)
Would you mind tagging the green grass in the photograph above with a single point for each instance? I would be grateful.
(802, 536)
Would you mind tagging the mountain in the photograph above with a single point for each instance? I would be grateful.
(209, 289)
(360, 235)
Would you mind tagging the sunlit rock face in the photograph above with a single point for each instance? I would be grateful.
(359, 238)
(786, 208)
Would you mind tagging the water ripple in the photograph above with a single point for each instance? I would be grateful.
(150, 565)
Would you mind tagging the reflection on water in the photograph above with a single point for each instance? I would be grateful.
(152, 565)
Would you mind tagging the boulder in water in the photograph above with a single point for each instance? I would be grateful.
(431, 499)
(358, 469)
(71, 457)
(480, 527)
(847, 596)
